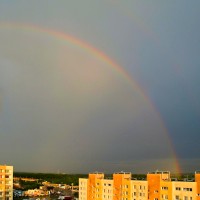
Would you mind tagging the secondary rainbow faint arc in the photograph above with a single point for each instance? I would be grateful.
(99, 54)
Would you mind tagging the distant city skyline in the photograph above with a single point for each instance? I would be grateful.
(99, 86)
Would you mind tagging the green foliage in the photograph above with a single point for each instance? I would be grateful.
(180, 177)
(26, 185)
(53, 178)
(139, 176)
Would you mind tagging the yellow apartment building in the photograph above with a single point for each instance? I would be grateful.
(83, 188)
(107, 192)
(139, 190)
(6, 182)
(120, 187)
(157, 186)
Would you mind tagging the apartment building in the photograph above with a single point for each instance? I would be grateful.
(120, 187)
(6, 182)
(157, 186)
(83, 188)
(162, 188)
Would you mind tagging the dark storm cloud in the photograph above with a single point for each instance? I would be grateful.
(62, 106)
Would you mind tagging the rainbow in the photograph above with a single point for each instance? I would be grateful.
(131, 16)
(103, 57)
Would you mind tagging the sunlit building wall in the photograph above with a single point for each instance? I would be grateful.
(184, 190)
(83, 187)
(197, 180)
(158, 186)
(6, 182)
(139, 190)
(122, 185)
(166, 190)
(155, 180)
(95, 186)
(107, 189)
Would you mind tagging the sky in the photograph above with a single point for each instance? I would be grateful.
(100, 85)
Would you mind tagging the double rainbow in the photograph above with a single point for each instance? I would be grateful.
(100, 55)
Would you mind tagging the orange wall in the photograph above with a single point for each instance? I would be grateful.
(94, 183)
(197, 180)
(117, 182)
(154, 186)
(120, 180)
(2, 186)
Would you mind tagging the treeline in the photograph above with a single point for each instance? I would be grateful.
(68, 179)
(27, 185)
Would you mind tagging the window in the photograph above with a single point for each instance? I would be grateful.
(178, 188)
(187, 189)
(176, 197)
(185, 198)
(164, 188)
(164, 196)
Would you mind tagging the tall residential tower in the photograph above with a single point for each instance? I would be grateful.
(6, 182)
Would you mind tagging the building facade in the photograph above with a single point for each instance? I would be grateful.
(6, 182)
(157, 186)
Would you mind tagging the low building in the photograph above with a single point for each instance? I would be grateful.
(35, 192)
